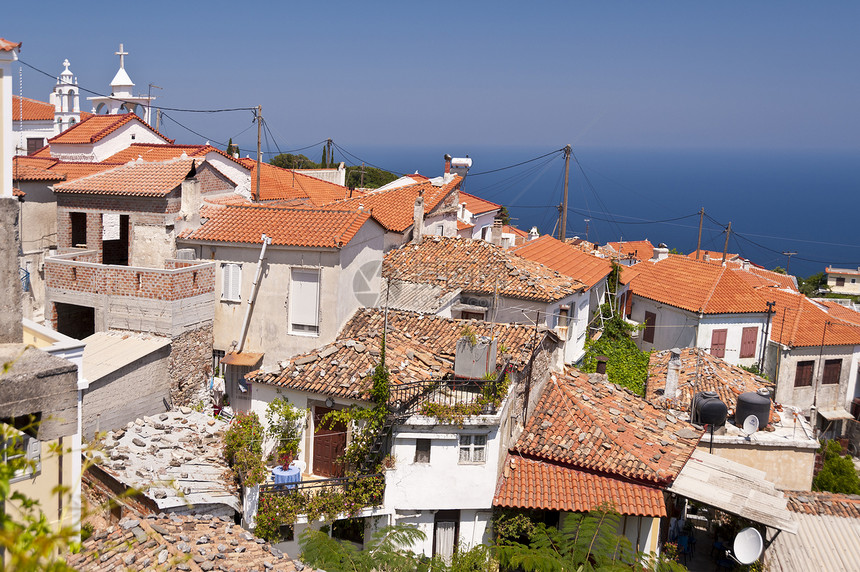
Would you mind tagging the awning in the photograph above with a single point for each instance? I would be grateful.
(248, 359)
(835, 414)
(735, 488)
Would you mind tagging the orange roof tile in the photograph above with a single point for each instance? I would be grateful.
(514, 230)
(7, 46)
(73, 170)
(638, 249)
(700, 371)
(395, 208)
(98, 127)
(477, 205)
(18, 192)
(277, 184)
(713, 255)
(42, 152)
(848, 271)
(162, 152)
(839, 311)
(800, 322)
(534, 484)
(566, 259)
(26, 109)
(285, 226)
(477, 266)
(824, 503)
(696, 286)
(26, 168)
(464, 225)
(418, 348)
(587, 423)
(133, 179)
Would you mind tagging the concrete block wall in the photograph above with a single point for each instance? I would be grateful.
(108, 404)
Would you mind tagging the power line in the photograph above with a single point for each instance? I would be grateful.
(360, 160)
(224, 110)
(516, 164)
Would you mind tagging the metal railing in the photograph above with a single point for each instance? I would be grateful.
(316, 486)
(408, 398)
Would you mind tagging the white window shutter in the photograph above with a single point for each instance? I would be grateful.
(231, 282)
(304, 299)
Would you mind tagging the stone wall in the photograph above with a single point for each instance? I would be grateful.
(11, 330)
(189, 364)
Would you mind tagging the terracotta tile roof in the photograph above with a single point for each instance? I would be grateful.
(133, 179)
(477, 266)
(713, 256)
(18, 192)
(849, 271)
(638, 249)
(395, 208)
(285, 226)
(7, 46)
(714, 374)
(533, 484)
(566, 259)
(163, 152)
(177, 542)
(34, 169)
(97, 127)
(800, 322)
(277, 184)
(417, 348)
(756, 276)
(26, 109)
(477, 205)
(506, 228)
(839, 311)
(587, 423)
(696, 286)
(43, 152)
(824, 503)
(73, 170)
(463, 225)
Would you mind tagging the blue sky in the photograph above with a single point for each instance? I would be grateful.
(757, 75)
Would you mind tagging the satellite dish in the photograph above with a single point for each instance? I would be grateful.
(748, 546)
(750, 424)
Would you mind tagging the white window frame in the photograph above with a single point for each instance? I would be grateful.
(21, 445)
(231, 282)
(310, 330)
(471, 444)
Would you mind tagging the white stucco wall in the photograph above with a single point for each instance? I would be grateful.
(32, 130)
(734, 324)
(132, 132)
(829, 396)
(675, 328)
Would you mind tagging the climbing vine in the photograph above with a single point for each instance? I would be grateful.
(626, 364)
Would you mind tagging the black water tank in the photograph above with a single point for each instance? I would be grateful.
(707, 409)
(753, 403)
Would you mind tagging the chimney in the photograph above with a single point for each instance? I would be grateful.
(673, 373)
(191, 198)
(746, 264)
(533, 233)
(706, 257)
(418, 218)
(447, 163)
(660, 253)
(496, 233)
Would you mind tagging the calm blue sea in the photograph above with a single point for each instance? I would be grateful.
(777, 201)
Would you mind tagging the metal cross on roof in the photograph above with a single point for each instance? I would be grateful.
(121, 55)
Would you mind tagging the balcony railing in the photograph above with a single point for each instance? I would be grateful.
(414, 397)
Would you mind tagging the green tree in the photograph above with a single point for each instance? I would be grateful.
(505, 215)
(324, 162)
(811, 284)
(290, 161)
(28, 540)
(232, 149)
(373, 177)
(838, 474)
(779, 270)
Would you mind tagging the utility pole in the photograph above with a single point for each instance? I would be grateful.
(330, 161)
(361, 185)
(699, 242)
(726, 247)
(562, 227)
(770, 312)
(789, 254)
(149, 103)
(588, 220)
(256, 196)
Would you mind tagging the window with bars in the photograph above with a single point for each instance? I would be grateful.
(803, 373)
(473, 448)
(231, 282)
(832, 371)
(422, 450)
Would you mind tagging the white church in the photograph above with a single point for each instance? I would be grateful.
(34, 122)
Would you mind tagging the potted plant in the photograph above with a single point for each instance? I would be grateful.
(286, 423)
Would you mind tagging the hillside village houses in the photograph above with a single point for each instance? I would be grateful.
(172, 264)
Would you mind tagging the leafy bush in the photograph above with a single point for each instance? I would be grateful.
(243, 448)
(838, 474)
(285, 422)
(626, 364)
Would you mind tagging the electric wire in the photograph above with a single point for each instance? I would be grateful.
(516, 164)
(223, 110)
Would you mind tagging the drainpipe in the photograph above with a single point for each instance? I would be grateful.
(266, 241)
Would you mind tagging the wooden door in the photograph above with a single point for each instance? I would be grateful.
(329, 445)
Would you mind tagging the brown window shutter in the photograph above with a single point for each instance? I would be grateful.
(629, 303)
(718, 343)
(650, 325)
(803, 373)
(840, 281)
(748, 339)
(832, 371)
